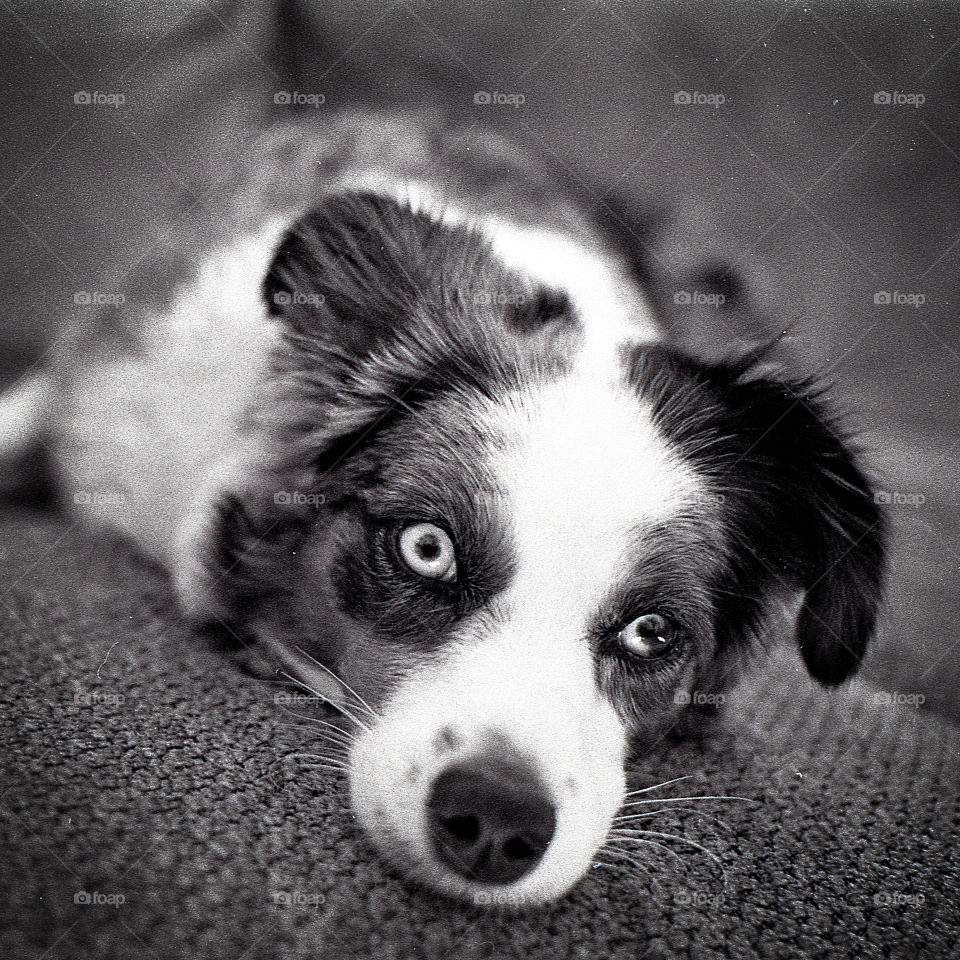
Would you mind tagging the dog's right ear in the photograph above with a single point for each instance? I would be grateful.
(798, 509)
(378, 306)
(349, 263)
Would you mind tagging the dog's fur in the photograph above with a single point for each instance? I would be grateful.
(407, 338)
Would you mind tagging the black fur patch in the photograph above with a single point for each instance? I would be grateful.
(796, 508)
(396, 330)
(384, 308)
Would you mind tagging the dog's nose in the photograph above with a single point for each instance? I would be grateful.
(490, 819)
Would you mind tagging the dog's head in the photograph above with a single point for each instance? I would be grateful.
(522, 552)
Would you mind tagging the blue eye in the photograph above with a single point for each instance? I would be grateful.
(428, 551)
(649, 637)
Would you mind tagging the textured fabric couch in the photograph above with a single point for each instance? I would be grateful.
(156, 802)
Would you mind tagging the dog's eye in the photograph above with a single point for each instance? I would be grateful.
(650, 636)
(428, 550)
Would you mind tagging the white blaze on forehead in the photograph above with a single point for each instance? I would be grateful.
(583, 468)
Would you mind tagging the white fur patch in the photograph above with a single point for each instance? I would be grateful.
(142, 436)
(589, 469)
(582, 466)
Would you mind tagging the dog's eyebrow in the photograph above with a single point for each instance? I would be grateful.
(669, 562)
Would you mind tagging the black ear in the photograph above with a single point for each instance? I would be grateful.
(380, 308)
(797, 510)
(825, 515)
(352, 261)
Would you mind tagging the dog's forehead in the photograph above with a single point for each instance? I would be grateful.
(583, 471)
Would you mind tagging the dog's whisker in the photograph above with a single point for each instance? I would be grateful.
(336, 744)
(657, 786)
(335, 748)
(299, 725)
(334, 728)
(651, 843)
(316, 764)
(336, 706)
(327, 757)
(650, 814)
(637, 803)
(622, 855)
(314, 756)
(633, 836)
(321, 760)
(346, 686)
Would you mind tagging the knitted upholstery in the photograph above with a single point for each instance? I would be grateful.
(144, 772)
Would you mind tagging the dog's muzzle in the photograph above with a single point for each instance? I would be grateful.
(480, 782)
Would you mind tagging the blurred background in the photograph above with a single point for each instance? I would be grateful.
(800, 160)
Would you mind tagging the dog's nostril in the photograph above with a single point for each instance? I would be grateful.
(517, 848)
(490, 819)
(466, 829)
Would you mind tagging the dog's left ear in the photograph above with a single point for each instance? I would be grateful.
(815, 516)
(797, 510)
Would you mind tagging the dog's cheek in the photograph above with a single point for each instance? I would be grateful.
(328, 618)
(648, 702)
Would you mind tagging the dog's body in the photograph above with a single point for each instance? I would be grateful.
(414, 420)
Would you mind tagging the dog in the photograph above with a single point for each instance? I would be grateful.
(405, 417)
